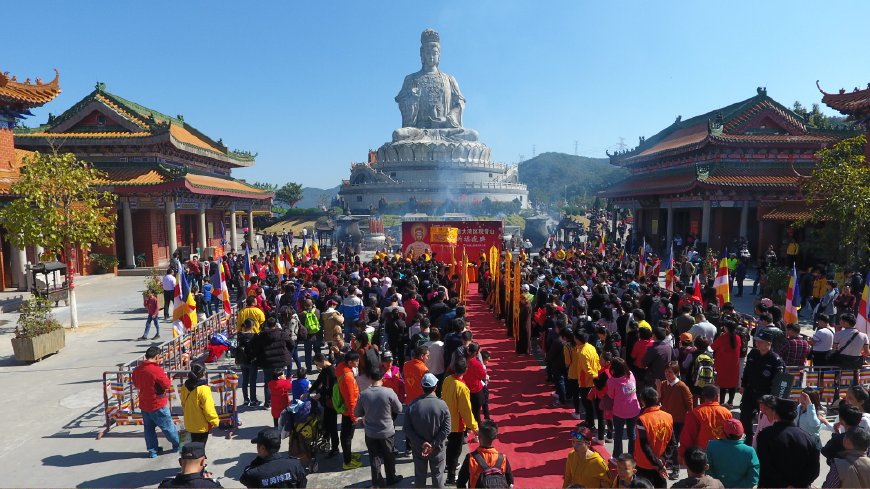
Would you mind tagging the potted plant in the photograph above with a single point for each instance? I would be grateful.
(37, 333)
(103, 263)
(154, 283)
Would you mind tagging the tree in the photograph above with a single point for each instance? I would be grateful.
(290, 193)
(271, 187)
(59, 208)
(815, 118)
(838, 193)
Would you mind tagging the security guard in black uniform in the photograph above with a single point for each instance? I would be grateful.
(762, 365)
(270, 468)
(193, 472)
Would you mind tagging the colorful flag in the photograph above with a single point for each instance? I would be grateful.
(602, 247)
(641, 264)
(722, 283)
(279, 265)
(863, 318)
(669, 270)
(288, 259)
(792, 299)
(224, 293)
(315, 251)
(184, 306)
(696, 291)
(223, 234)
(247, 265)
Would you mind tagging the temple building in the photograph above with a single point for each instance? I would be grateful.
(855, 105)
(173, 182)
(729, 173)
(16, 100)
(432, 160)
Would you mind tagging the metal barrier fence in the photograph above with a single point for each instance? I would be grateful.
(121, 399)
(831, 382)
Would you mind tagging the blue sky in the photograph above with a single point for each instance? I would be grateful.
(310, 85)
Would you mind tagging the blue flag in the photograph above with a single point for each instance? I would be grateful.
(247, 264)
(796, 298)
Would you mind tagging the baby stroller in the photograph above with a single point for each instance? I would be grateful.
(302, 422)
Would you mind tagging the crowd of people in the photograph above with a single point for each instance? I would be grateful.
(668, 377)
(660, 367)
(384, 337)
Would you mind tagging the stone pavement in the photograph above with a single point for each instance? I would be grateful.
(53, 411)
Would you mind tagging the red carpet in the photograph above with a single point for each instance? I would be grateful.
(533, 435)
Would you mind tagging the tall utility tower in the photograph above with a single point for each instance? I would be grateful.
(534, 153)
(621, 144)
(575, 148)
(522, 158)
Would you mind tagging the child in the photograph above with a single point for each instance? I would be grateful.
(279, 391)
(484, 357)
(472, 469)
(696, 465)
(602, 402)
(584, 466)
(301, 385)
(626, 468)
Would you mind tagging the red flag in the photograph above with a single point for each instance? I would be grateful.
(696, 294)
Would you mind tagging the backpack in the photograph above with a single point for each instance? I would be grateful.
(310, 321)
(337, 401)
(703, 371)
(490, 476)
(301, 329)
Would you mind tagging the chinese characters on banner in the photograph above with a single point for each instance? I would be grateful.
(435, 236)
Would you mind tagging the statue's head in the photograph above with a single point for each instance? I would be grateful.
(430, 48)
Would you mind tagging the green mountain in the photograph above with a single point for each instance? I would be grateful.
(550, 175)
(312, 196)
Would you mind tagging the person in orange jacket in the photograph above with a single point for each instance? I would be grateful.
(349, 391)
(414, 372)
(705, 422)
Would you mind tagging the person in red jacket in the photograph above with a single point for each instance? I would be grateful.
(475, 379)
(150, 303)
(153, 383)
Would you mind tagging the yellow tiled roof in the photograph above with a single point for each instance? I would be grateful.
(215, 183)
(28, 94)
(188, 137)
(132, 176)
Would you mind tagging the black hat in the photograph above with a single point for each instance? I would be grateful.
(193, 450)
(765, 335)
(786, 408)
(269, 438)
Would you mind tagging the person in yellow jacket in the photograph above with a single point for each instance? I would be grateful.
(251, 311)
(456, 395)
(572, 385)
(588, 366)
(198, 405)
(585, 467)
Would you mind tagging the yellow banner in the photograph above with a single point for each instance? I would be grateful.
(444, 234)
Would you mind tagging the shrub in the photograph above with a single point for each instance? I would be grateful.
(154, 283)
(104, 263)
(36, 318)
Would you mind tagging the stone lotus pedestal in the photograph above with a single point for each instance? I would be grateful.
(38, 347)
